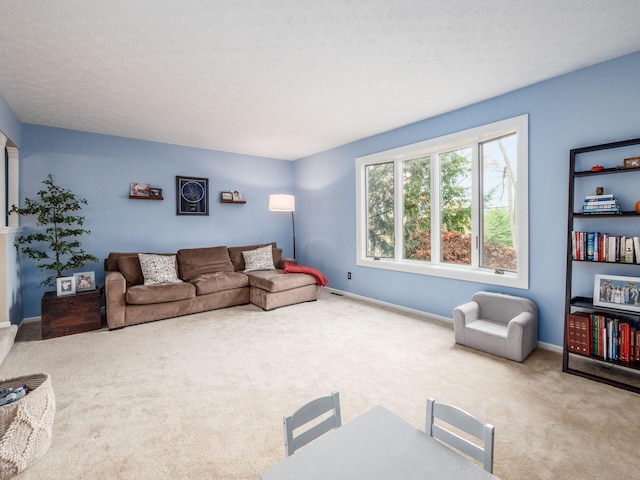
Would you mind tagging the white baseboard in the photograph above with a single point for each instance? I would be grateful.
(541, 345)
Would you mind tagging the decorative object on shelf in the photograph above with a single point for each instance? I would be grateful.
(617, 292)
(65, 286)
(632, 162)
(638, 207)
(58, 247)
(232, 197)
(155, 192)
(285, 203)
(597, 168)
(84, 281)
(192, 196)
(137, 189)
(599, 190)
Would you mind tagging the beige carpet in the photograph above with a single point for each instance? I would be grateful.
(202, 396)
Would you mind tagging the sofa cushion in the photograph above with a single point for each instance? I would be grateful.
(129, 266)
(198, 261)
(278, 281)
(158, 268)
(258, 259)
(111, 262)
(218, 282)
(235, 254)
(159, 293)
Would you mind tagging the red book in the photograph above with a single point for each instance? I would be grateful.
(579, 333)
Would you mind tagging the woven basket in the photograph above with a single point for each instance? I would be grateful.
(26, 424)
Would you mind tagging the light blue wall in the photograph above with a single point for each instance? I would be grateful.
(595, 105)
(100, 168)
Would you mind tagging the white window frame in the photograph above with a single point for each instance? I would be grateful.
(472, 137)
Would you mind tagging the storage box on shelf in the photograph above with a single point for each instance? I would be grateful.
(602, 320)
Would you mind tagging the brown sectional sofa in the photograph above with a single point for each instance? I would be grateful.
(211, 277)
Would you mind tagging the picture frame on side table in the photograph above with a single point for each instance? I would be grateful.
(84, 281)
(621, 293)
(65, 286)
(192, 196)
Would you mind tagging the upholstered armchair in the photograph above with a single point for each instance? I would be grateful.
(496, 323)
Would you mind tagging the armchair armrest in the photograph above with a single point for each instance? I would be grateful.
(522, 335)
(115, 287)
(462, 315)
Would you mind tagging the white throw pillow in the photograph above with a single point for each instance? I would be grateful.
(158, 268)
(258, 259)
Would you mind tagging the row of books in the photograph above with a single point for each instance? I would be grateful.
(602, 247)
(601, 204)
(603, 336)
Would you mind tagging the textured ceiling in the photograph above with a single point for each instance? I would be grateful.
(287, 78)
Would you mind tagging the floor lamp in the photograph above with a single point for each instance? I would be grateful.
(285, 203)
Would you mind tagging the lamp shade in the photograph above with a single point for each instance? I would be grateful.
(282, 203)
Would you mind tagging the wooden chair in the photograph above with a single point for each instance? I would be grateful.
(465, 422)
(306, 414)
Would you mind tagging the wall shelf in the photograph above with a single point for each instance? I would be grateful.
(240, 202)
(131, 197)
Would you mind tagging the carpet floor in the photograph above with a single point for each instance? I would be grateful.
(202, 396)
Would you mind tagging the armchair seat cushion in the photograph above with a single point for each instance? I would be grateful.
(503, 325)
(488, 327)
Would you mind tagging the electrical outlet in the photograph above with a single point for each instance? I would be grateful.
(348, 275)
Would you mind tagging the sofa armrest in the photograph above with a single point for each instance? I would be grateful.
(462, 315)
(284, 260)
(115, 287)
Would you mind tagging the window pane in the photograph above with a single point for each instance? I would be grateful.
(380, 239)
(455, 209)
(416, 220)
(499, 187)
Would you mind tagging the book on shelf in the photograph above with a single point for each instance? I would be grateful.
(603, 336)
(603, 247)
(603, 197)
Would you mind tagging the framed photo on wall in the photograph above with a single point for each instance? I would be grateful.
(84, 281)
(622, 293)
(65, 286)
(192, 196)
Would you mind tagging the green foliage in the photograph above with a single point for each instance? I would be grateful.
(380, 210)
(62, 250)
(498, 227)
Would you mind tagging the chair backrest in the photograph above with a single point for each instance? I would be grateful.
(465, 422)
(501, 307)
(305, 414)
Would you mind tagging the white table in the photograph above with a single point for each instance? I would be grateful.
(376, 445)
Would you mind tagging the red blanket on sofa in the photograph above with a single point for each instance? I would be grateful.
(320, 278)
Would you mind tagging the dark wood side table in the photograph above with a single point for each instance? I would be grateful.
(69, 314)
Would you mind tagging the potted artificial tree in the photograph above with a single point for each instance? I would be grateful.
(57, 250)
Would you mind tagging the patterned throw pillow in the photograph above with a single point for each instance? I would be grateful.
(158, 268)
(258, 259)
